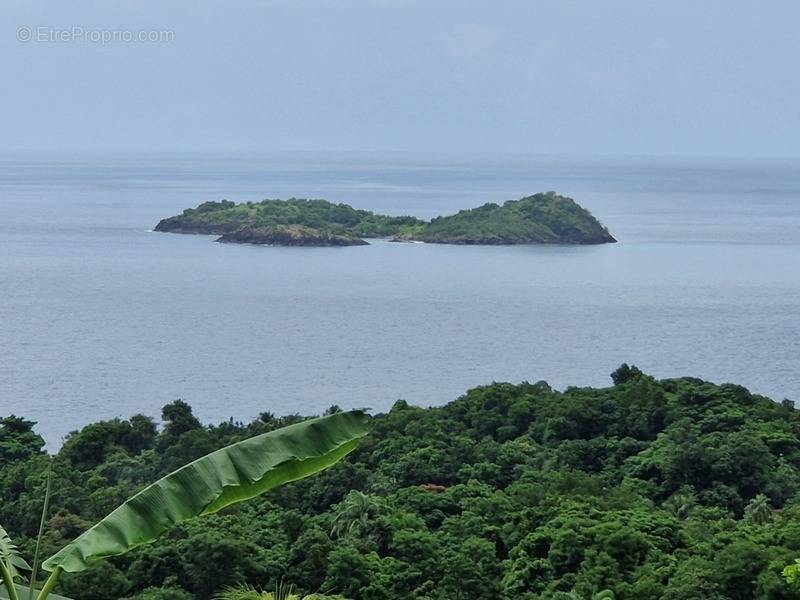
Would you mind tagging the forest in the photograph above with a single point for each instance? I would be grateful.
(319, 216)
(545, 218)
(676, 489)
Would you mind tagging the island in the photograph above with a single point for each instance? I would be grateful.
(546, 218)
(292, 222)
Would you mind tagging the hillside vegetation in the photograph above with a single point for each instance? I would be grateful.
(312, 221)
(676, 489)
(540, 219)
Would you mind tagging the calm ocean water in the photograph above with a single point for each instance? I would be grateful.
(101, 318)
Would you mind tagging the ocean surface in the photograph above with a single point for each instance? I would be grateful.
(100, 317)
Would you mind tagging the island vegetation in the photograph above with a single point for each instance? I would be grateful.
(674, 489)
(540, 219)
(287, 222)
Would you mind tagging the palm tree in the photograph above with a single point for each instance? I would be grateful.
(10, 560)
(11, 563)
(282, 592)
(680, 504)
(758, 510)
(355, 512)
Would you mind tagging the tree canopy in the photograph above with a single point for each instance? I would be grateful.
(672, 489)
(539, 219)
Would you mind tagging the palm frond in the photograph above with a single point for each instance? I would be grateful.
(243, 592)
(9, 554)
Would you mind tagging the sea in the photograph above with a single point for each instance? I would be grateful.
(100, 317)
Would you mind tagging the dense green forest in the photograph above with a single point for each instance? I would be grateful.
(318, 222)
(539, 219)
(675, 489)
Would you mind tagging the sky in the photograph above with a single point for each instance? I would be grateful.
(634, 77)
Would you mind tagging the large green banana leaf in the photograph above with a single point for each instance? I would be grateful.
(22, 592)
(229, 475)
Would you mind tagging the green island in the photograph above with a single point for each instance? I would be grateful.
(547, 218)
(674, 489)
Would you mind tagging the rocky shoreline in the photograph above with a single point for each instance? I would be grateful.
(288, 235)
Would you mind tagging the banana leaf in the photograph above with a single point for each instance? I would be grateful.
(22, 592)
(230, 475)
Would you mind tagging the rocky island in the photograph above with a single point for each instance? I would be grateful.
(293, 222)
(547, 218)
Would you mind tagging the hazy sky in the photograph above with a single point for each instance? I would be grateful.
(699, 77)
